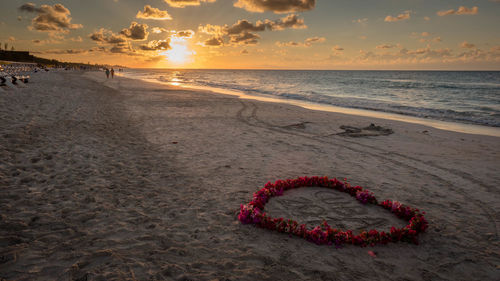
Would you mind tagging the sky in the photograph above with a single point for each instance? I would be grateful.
(259, 34)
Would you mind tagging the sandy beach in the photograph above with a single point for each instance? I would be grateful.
(121, 179)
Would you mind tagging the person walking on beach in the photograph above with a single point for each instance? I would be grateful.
(112, 73)
(107, 73)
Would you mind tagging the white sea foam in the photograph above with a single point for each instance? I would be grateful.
(463, 97)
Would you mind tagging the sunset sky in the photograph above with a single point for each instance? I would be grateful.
(270, 34)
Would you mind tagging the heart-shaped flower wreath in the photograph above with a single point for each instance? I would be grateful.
(253, 213)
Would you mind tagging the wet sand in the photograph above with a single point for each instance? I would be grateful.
(126, 180)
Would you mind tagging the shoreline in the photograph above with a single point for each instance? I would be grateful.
(120, 179)
(434, 123)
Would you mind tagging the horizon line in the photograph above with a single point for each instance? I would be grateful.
(311, 69)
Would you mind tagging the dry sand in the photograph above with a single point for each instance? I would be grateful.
(125, 180)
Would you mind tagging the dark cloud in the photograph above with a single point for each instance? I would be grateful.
(28, 7)
(155, 59)
(427, 53)
(136, 31)
(119, 49)
(156, 45)
(214, 41)
(75, 51)
(66, 52)
(246, 26)
(50, 18)
(97, 49)
(290, 21)
(123, 49)
(121, 43)
(337, 48)
(312, 40)
(276, 6)
(245, 38)
(242, 32)
(117, 42)
(184, 3)
(106, 36)
(153, 14)
(45, 41)
(385, 46)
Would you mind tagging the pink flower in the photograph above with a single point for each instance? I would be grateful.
(253, 213)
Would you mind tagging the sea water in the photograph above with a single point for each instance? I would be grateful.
(470, 97)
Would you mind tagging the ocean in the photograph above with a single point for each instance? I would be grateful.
(470, 97)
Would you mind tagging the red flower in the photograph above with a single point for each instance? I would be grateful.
(252, 213)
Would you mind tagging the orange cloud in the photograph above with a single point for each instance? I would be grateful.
(460, 11)
(214, 42)
(156, 45)
(211, 29)
(76, 39)
(185, 33)
(43, 42)
(307, 43)
(136, 31)
(467, 45)
(288, 44)
(361, 21)
(385, 46)
(184, 3)
(158, 30)
(311, 40)
(337, 48)
(153, 14)
(400, 17)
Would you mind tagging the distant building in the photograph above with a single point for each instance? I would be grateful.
(16, 56)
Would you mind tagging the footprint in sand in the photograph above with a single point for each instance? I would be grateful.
(297, 126)
(313, 205)
(370, 131)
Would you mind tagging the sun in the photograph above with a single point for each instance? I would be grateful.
(179, 53)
